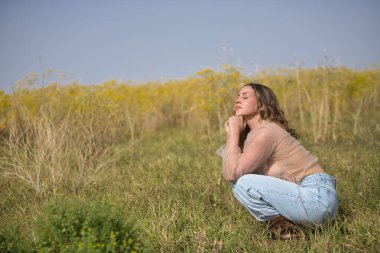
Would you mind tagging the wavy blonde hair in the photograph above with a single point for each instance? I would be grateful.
(269, 109)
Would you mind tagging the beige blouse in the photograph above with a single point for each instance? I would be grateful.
(268, 150)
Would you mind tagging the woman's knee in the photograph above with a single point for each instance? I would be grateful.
(244, 187)
(248, 181)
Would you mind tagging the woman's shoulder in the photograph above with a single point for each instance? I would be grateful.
(269, 128)
(277, 130)
(269, 125)
(264, 128)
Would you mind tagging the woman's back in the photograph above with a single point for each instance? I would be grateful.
(288, 159)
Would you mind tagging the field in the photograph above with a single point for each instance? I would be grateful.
(150, 149)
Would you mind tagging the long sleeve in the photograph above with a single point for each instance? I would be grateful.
(257, 149)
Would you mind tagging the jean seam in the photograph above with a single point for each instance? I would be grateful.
(273, 192)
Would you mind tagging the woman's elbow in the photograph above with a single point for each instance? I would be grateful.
(234, 175)
(230, 177)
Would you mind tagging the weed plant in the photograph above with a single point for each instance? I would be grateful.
(74, 225)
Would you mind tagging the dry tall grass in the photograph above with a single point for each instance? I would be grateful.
(52, 157)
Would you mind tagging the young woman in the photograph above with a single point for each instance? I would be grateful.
(271, 173)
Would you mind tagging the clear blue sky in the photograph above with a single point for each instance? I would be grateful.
(92, 40)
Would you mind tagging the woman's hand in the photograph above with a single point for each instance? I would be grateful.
(227, 128)
(234, 125)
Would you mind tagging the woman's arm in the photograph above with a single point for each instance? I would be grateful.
(233, 127)
(256, 152)
(231, 158)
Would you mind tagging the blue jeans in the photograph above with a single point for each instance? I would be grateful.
(313, 201)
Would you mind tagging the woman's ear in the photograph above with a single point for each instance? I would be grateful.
(259, 105)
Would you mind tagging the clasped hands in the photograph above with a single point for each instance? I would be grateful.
(234, 125)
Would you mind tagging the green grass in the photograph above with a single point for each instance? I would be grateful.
(171, 184)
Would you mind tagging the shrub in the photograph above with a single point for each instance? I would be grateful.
(73, 225)
(11, 240)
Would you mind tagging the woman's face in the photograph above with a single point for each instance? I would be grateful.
(246, 103)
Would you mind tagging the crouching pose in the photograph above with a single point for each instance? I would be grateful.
(271, 173)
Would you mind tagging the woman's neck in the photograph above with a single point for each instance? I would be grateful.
(254, 121)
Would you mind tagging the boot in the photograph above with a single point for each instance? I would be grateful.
(283, 228)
